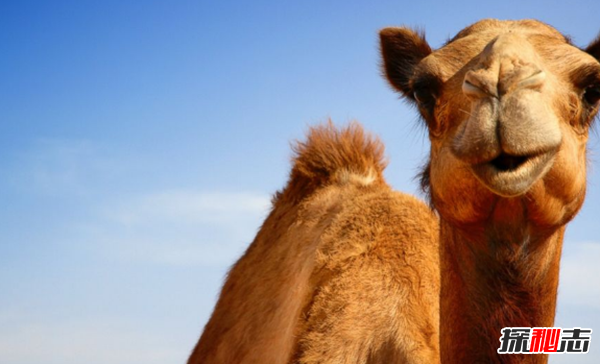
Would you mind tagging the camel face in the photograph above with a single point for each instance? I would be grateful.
(508, 105)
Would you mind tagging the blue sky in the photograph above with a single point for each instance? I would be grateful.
(140, 143)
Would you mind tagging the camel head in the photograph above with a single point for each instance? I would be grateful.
(508, 106)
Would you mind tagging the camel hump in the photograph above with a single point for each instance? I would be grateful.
(339, 155)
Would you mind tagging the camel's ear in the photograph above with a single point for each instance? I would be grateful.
(594, 48)
(402, 49)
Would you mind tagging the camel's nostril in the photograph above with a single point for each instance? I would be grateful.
(479, 85)
(534, 81)
(505, 162)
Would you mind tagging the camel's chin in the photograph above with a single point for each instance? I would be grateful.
(515, 181)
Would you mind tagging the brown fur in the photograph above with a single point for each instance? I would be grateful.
(501, 232)
(343, 270)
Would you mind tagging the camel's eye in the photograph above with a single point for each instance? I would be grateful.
(424, 97)
(592, 95)
(425, 91)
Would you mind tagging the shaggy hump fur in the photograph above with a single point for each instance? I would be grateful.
(343, 270)
(330, 155)
(328, 150)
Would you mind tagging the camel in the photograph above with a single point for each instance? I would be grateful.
(344, 270)
(508, 106)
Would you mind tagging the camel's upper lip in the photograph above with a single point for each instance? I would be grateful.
(510, 175)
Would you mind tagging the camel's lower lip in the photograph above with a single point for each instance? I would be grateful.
(510, 177)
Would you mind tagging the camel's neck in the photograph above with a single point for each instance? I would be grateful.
(495, 277)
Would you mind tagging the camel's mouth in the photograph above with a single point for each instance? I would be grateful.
(509, 175)
(505, 162)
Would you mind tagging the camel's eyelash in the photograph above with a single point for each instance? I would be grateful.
(425, 90)
(426, 81)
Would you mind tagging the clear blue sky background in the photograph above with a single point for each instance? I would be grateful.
(140, 142)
